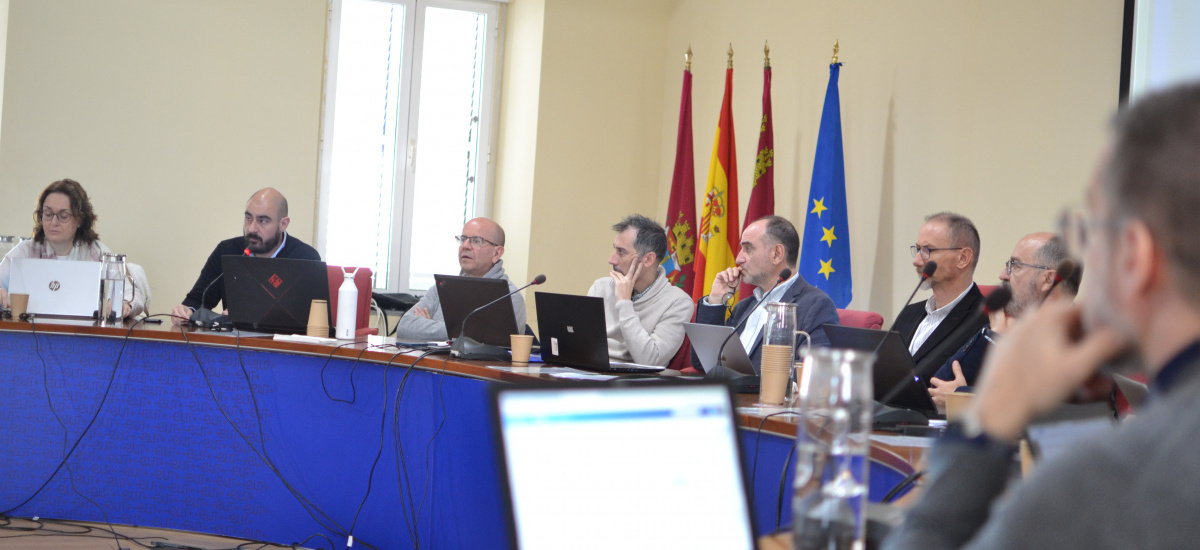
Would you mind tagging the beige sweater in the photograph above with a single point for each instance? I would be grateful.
(650, 330)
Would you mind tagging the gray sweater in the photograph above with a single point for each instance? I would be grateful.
(412, 328)
(1135, 487)
(650, 330)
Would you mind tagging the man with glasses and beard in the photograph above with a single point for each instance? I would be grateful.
(264, 234)
(480, 247)
(1133, 486)
(1029, 274)
(936, 328)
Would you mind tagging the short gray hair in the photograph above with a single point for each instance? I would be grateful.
(651, 236)
(1052, 253)
(962, 232)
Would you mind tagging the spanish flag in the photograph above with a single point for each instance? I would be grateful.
(719, 238)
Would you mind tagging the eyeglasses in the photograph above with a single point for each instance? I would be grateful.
(925, 251)
(1013, 263)
(474, 240)
(63, 216)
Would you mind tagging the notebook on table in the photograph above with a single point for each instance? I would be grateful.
(572, 333)
(273, 294)
(458, 296)
(587, 466)
(57, 287)
(893, 365)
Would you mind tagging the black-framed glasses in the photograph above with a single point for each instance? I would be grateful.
(63, 216)
(1014, 263)
(925, 251)
(475, 241)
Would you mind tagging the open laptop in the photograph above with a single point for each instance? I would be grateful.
(572, 333)
(459, 296)
(273, 294)
(56, 287)
(893, 365)
(707, 339)
(588, 466)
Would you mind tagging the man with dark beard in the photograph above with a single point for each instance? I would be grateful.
(263, 234)
(1029, 274)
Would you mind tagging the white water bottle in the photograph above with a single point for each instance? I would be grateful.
(347, 310)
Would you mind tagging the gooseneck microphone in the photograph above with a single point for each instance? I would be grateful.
(205, 317)
(1064, 271)
(720, 372)
(466, 347)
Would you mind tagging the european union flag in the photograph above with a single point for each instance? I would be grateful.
(825, 248)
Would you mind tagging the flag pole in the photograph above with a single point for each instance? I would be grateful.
(730, 65)
(766, 55)
(835, 52)
(687, 59)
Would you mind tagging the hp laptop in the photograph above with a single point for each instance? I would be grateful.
(459, 296)
(707, 339)
(893, 365)
(573, 333)
(584, 466)
(56, 287)
(273, 294)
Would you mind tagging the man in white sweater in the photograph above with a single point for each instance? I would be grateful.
(644, 312)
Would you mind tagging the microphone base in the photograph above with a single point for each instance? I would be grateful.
(737, 382)
(469, 349)
(893, 418)
(207, 318)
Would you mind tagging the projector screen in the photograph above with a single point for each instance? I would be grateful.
(1162, 46)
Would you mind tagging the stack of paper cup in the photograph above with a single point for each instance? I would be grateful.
(774, 373)
(318, 319)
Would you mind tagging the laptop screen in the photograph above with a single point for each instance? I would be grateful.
(274, 294)
(57, 287)
(613, 467)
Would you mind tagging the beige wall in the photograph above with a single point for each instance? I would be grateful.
(995, 110)
(169, 113)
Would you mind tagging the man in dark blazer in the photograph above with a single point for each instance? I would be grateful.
(769, 245)
(263, 234)
(936, 328)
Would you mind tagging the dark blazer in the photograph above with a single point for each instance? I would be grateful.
(814, 308)
(292, 248)
(963, 322)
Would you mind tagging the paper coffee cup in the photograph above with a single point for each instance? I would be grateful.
(20, 303)
(521, 345)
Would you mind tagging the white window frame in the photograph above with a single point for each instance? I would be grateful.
(407, 140)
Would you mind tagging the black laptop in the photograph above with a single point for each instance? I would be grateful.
(584, 466)
(572, 332)
(273, 294)
(459, 296)
(893, 365)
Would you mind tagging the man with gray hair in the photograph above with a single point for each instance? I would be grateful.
(1133, 486)
(1029, 274)
(936, 328)
(643, 311)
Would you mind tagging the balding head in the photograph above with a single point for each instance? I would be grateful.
(270, 197)
(477, 259)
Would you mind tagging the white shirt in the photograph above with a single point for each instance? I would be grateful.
(757, 319)
(933, 318)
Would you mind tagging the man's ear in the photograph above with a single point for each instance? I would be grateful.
(965, 257)
(1141, 260)
(497, 253)
(779, 254)
(649, 259)
(1046, 280)
(283, 223)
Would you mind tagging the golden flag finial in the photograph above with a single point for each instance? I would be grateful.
(730, 65)
(687, 59)
(766, 54)
(835, 51)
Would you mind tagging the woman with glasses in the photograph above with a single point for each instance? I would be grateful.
(64, 229)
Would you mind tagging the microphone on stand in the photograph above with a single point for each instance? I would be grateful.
(466, 347)
(926, 273)
(742, 383)
(205, 317)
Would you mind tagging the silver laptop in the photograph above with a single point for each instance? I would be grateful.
(594, 467)
(57, 287)
(707, 339)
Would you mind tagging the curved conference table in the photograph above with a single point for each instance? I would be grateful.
(280, 442)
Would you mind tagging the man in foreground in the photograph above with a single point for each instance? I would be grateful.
(644, 313)
(1133, 487)
(264, 233)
